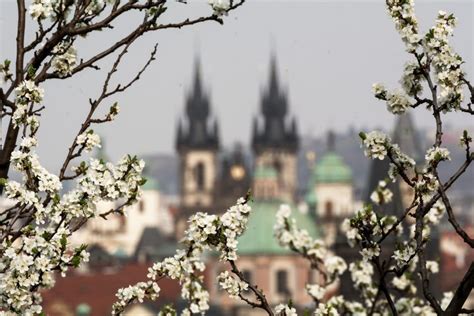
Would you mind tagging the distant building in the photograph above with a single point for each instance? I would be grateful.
(279, 272)
(119, 235)
(330, 191)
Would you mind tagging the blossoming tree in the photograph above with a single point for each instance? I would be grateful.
(34, 232)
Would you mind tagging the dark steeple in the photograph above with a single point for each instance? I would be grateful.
(277, 130)
(197, 132)
(331, 141)
(406, 136)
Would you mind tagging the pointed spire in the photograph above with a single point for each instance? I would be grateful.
(216, 132)
(273, 85)
(200, 131)
(179, 133)
(276, 130)
(254, 130)
(407, 137)
(331, 141)
(197, 88)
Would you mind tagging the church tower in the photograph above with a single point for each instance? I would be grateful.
(197, 144)
(275, 137)
(332, 189)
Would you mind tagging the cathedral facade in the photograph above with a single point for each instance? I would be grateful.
(211, 179)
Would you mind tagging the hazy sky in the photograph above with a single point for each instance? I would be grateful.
(329, 54)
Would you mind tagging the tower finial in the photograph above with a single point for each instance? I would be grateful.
(197, 75)
(273, 84)
(331, 141)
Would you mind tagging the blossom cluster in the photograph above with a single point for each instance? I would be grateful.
(65, 58)
(285, 310)
(231, 285)
(43, 9)
(89, 140)
(378, 145)
(220, 7)
(205, 232)
(403, 15)
(43, 247)
(27, 94)
(411, 79)
(381, 194)
(299, 240)
(30, 262)
(315, 291)
(397, 101)
(437, 154)
(447, 63)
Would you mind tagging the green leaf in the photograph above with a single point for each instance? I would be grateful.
(76, 261)
(63, 241)
(31, 72)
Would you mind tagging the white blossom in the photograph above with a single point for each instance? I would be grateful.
(220, 7)
(231, 285)
(283, 309)
(316, 291)
(89, 140)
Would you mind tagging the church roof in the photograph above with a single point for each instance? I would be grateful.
(155, 244)
(258, 239)
(332, 169)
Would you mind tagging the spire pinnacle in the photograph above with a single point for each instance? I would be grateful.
(331, 141)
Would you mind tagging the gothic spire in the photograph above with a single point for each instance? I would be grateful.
(199, 132)
(407, 137)
(277, 130)
(331, 141)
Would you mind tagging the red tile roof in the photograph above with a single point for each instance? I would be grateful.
(97, 289)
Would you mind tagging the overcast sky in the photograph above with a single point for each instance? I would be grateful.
(329, 54)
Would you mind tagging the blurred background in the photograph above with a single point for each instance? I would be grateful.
(273, 100)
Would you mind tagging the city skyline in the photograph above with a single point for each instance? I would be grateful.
(315, 43)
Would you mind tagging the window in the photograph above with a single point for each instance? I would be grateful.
(328, 209)
(282, 282)
(199, 176)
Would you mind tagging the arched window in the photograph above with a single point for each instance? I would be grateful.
(282, 282)
(199, 176)
(278, 168)
(328, 208)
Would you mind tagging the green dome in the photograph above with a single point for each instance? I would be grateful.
(151, 184)
(83, 310)
(259, 238)
(332, 169)
(263, 172)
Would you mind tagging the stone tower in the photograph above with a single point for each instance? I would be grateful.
(275, 136)
(197, 143)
